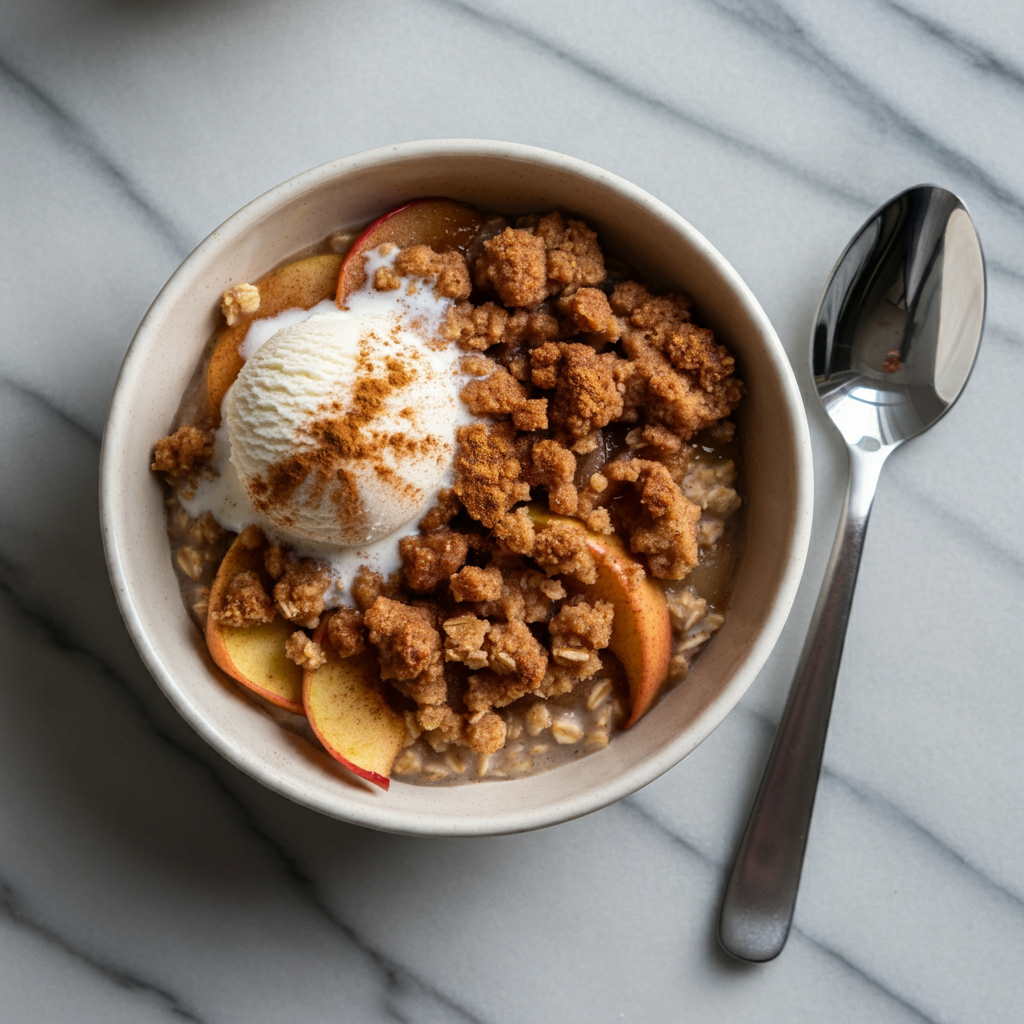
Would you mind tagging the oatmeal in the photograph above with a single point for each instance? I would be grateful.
(471, 512)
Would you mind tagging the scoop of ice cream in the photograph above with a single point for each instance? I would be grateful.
(342, 427)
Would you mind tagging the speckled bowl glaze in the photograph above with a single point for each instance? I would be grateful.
(351, 191)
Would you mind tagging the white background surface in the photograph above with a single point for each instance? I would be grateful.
(142, 878)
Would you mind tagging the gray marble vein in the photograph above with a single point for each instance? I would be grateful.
(12, 907)
(981, 57)
(50, 409)
(722, 868)
(789, 33)
(398, 982)
(619, 83)
(77, 137)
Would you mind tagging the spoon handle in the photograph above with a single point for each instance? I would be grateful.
(761, 893)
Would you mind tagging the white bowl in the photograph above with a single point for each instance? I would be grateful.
(512, 179)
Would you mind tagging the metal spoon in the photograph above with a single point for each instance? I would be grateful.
(894, 341)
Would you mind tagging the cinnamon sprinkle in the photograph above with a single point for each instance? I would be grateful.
(341, 440)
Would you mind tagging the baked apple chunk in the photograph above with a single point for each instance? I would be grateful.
(348, 712)
(245, 635)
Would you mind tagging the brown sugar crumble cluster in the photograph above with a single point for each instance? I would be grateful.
(596, 399)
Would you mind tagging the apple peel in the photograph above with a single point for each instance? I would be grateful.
(253, 655)
(442, 224)
(349, 715)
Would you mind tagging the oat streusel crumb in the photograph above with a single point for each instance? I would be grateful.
(409, 647)
(304, 651)
(449, 270)
(299, 593)
(242, 299)
(244, 602)
(178, 454)
(346, 632)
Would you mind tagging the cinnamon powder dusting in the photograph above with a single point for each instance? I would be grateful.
(340, 440)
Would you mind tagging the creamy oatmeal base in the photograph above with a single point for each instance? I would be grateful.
(598, 406)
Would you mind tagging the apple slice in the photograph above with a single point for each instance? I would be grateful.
(349, 715)
(641, 629)
(254, 655)
(440, 223)
(298, 285)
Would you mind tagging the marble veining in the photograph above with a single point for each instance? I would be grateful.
(77, 138)
(608, 78)
(143, 878)
(394, 976)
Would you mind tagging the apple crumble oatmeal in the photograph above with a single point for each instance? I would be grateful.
(463, 494)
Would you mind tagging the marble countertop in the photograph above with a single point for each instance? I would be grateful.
(142, 878)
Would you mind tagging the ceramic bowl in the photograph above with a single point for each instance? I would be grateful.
(349, 192)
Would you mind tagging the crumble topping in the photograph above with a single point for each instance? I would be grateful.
(299, 593)
(367, 586)
(487, 472)
(667, 531)
(486, 733)
(245, 602)
(526, 594)
(562, 548)
(574, 257)
(578, 632)
(449, 269)
(304, 651)
(590, 313)
(346, 632)
(680, 376)
(475, 584)
(597, 398)
(515, 532)
(179, 454)
(554, 467)
(514, 264)
(500, 394)
(464, 640)
(242, 299)
(429, 561)
(589, 388)
(542, 256)
(409, 647)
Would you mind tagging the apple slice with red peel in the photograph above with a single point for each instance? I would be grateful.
(298, 285)
(442, 224)
(349, 714)
(641, 630)
(253, 655)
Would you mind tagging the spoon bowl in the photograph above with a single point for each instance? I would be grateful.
(899, 323)
(894, 341)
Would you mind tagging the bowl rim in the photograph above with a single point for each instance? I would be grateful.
(511, 819)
